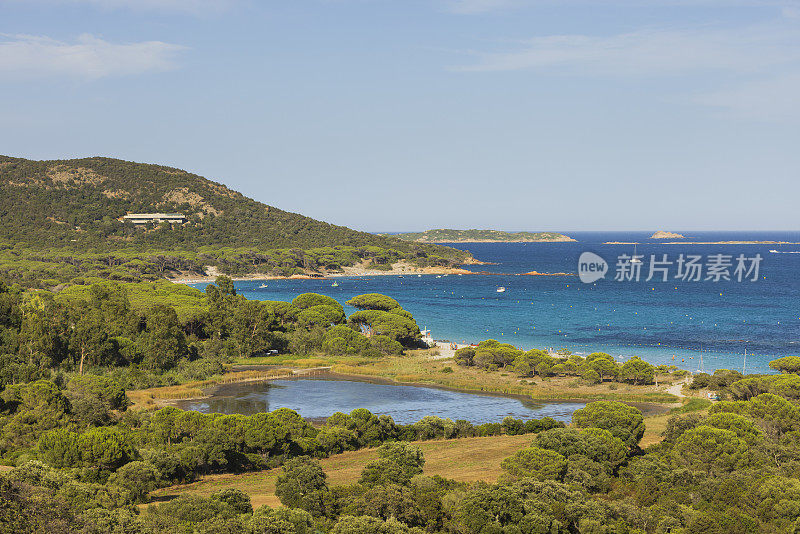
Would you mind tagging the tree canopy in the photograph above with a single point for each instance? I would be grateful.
(788, 364)
(623, 421)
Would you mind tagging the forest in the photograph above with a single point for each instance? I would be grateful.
(78, 458)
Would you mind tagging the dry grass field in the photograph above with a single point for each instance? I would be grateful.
(466, 460)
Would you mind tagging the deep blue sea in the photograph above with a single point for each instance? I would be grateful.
(672, 322)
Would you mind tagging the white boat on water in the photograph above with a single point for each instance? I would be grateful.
(501, 289)
(774, 251)
(335, 284)
(262, 286)
(634, 258)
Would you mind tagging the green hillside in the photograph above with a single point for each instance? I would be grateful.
(66, 217)
(478, 236)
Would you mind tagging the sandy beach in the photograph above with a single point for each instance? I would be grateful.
(400, 268)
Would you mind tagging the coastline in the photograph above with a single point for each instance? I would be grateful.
(354, 272)
(397, 269)
(439, 241)
(706, 243)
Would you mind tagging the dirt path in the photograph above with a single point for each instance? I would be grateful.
(676, 389)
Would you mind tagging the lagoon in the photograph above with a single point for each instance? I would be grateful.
(316, 399)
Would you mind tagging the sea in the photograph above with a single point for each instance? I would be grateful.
(705, 306)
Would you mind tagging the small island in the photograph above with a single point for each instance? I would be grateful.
(482, 236)
(666, 235)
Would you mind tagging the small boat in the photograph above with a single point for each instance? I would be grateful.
(262, 286)
(438, 276)
(419, 276)
(501, 289)
(634, 259)
(774, 251)
(335, 284)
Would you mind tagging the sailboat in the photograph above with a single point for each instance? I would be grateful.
(335, 284)
(634, 259)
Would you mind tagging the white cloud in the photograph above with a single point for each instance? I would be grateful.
(88, 57)
(196, 7)
(751, 73)
(650, 52)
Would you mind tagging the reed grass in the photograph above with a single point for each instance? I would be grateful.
(147, 398)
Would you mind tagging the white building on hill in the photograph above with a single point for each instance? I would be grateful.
(145, 218)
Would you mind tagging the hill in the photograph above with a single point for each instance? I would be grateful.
(482, 236)
(69, 214)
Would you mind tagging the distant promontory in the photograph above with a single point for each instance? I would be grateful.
(482, 236)
(666, 235)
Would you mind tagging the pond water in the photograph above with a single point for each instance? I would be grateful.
(320, 398)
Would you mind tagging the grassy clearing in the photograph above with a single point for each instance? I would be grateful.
(418, 368)
(692, 404)
(465, 460)
(655, 426)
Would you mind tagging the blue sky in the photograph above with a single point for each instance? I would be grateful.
(414, 114)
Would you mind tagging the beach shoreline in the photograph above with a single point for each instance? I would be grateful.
(351, 272)
(398, 269)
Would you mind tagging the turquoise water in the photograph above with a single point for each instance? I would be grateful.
(318, 399)
(672, 322)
